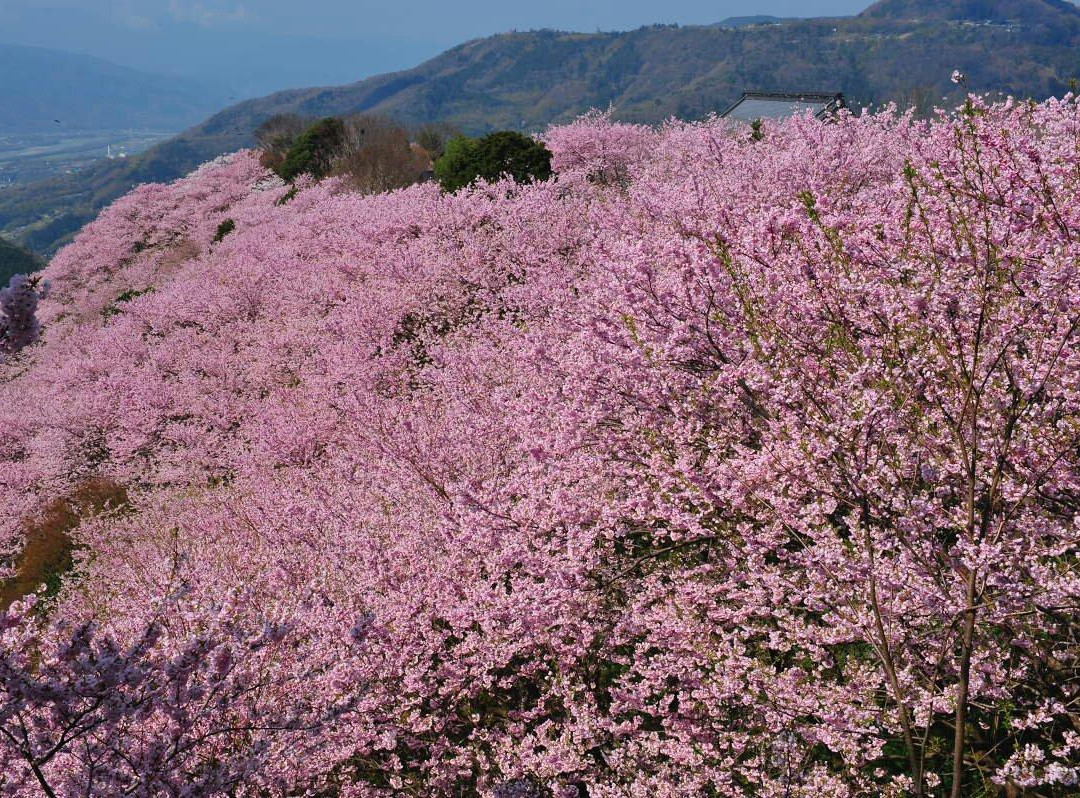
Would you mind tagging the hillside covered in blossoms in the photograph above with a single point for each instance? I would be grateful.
(723, 463)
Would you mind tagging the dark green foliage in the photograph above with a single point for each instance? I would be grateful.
(224, 229)
(114, 308)
(16, 260)
(315, 149)
(489, 158)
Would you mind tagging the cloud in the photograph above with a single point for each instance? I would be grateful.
(132, 15)
(208, 14)
(148, 15)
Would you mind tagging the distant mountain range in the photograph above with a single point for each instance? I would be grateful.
(252, 54)
(50, 90)
(902, 50)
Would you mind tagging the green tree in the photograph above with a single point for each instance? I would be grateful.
(315, 150)
(496, 154)
(16, 260)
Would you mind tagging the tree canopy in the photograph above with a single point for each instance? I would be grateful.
(314, 150)
(491, 157)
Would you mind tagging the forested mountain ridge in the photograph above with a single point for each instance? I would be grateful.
(902, 50)
(1023, 12)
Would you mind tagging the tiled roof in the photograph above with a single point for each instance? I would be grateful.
(775, 105)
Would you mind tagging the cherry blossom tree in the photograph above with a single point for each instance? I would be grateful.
(725, 463)
(83, 714)
(19, 325)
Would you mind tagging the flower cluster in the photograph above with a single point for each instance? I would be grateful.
(19, 326)
(165, 714)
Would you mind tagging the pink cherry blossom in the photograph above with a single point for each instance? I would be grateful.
(723, 464)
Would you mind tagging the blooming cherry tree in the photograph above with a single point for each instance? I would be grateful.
(727, 463)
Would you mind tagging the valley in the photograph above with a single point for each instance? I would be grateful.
(30, 156)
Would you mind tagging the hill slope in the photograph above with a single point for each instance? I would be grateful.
(39, 86)
(15, 260)
(572, 489)
(901, 50)
(1028, 12)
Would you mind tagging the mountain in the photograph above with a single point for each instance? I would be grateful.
(1024, 12)
(49, 90)
(902, 50)
(754, 19)
(16, 260)
(253, 54)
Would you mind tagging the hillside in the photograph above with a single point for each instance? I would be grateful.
(902, 50)
(1049, 13)
(15, 260)
(728, 464)
(44, 89)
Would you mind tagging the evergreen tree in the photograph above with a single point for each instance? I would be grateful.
(314, 151)
(496, 154)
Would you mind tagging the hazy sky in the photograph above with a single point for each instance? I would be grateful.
(255, 46)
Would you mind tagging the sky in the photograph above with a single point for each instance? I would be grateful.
(252, 47)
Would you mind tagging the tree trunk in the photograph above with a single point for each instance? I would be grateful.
(959, 737)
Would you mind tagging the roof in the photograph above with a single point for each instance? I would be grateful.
(755, 105)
